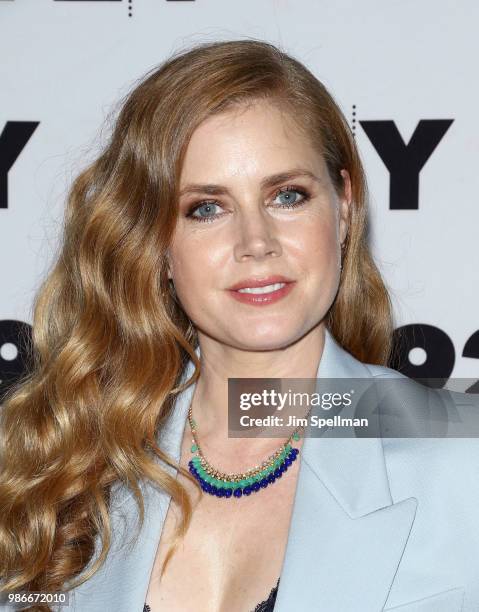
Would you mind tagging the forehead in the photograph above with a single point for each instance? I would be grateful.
(256, 139)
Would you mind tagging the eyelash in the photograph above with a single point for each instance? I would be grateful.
(306, 196)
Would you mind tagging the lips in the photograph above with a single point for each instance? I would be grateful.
(260, 282)
(251, 298)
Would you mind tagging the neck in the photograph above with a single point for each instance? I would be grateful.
(210, 399)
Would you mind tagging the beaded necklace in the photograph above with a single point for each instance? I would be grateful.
(217, 483)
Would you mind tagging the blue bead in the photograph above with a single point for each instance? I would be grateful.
(271, 478)
(263, 483)
(278, 473)
(213, 489)
(228, 492)
(238, 492)
(256, 486)
(247, 490)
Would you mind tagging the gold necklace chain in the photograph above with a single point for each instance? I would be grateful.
(212, 471)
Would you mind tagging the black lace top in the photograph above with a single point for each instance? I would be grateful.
(265, 606)
(268, 604)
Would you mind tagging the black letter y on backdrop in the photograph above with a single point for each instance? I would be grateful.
(13, 139)
(405, 161)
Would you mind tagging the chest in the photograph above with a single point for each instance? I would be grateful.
(232, 553)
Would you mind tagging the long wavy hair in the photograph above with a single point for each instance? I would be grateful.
(110, 339)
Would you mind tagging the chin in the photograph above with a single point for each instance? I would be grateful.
(266, 342)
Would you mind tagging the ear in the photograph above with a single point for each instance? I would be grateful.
(345, 207)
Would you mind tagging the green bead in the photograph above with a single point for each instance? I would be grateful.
(296, 436)
(194, 448)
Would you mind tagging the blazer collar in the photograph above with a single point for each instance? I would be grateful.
(352, 469)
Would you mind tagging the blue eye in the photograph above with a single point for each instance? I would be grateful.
(208, 205)
(290, 203)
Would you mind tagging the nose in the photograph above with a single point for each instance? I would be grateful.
(256, 237)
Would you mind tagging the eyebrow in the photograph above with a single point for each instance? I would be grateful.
(268, 181)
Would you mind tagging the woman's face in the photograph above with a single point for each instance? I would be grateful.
(252, 225)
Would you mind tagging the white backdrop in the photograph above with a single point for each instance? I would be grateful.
(390, 65)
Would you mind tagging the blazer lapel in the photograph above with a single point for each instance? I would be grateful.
(346, 535)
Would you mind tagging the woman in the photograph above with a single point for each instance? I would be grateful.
(229, 166)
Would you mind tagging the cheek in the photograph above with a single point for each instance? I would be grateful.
(317, 244)
(189, 275)
(192, 275)
(200, 257)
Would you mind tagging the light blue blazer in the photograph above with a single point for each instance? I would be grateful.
(377, 523)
